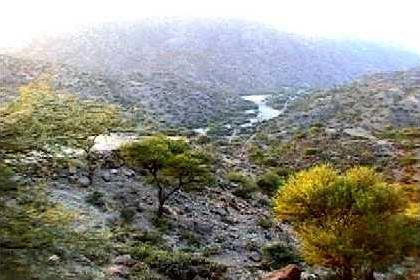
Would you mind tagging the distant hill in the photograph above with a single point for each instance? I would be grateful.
(373, 103)
(235, 56)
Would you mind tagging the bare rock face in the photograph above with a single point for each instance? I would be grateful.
(290, 272)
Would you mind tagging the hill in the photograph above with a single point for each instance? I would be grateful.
(372, 103)
(231, 55)
(164, 98)
(373, 121)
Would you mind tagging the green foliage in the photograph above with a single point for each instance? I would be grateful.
(246, 184)
(32, 229)
(6, 183)
(269, 182)
(177, 265)
(150, 237)
(127, 215)
(311, 151)
(354, 222)
(277, 255)
(162, 224)
(171, 164)
(40, 119)
(211, 250)
(265, 223)
(96, 198)
(191, 237)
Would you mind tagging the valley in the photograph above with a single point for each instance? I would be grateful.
(219, 149)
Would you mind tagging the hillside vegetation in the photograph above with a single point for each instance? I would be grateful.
(160, 100)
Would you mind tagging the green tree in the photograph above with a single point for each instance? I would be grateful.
(172, 165)
(354, 223)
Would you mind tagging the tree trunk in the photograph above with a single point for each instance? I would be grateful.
(161, 202)
(346, 273)
(368, 275)
(91, 166)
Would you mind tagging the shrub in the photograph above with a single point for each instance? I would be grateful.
(162, 224)
(96, 198)
(212, 250)
(311, 151)
(177, 265)
(269, 182)
(192, 238)
(354, 223)
(247, 185)
(277, 255)
(127, 214)
(6, 182)
(283, 172)
(265, 223)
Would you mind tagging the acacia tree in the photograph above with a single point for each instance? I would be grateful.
(39, 119)
(354, 223)
(171, 165)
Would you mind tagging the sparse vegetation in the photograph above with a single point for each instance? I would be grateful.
(177, 265)
(246, 185)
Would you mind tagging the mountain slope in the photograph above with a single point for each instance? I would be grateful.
(165, 97)
(373, 103)
(231, 55)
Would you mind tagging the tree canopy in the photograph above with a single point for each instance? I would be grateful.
(171, 164)
(354, 222)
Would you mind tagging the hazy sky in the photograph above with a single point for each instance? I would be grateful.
(390, 20)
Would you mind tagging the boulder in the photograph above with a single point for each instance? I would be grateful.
(53, 259)
(125, 260)
(290, 272)
(117, 270)
(106, 176)
(83, 181)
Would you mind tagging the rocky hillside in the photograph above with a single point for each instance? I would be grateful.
(373, 121)
(165, 97)
(370, 104)
(231, 55)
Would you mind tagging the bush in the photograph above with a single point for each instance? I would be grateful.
(212, 250)
(265, 223)
(277, 255)
(247, 185)
(177, 265)
(343, 218)
(269, 182)
(283, 172)
(311, 151)
(150, 237)
(192, 238)
(96, 198)
(162, 224)
(245, 192)
(127, 215)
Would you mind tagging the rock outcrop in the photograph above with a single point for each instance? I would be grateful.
(290, 272)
